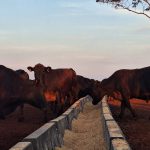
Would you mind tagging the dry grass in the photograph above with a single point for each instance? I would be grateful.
(87, 132)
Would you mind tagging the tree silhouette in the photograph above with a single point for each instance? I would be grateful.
(141, 7)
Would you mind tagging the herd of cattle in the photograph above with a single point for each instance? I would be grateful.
(57, 89)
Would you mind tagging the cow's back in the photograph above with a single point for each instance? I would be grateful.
(132, 81)
(24, 75)
(9, 87)
(59, 78)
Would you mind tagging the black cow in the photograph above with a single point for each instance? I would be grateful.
(15, 91)
(128, 84)
(24, 75)
(85, 86)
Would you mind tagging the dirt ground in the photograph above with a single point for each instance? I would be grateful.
(136, 131)
(86, 133)
(12, 131)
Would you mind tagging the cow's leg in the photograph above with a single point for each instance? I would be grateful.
(45, 114)
(21, 113)
(71, 98)
(123, 106)
(53, 109)
(63, 103)
(59, 104)
(125, 103)
(128, 105)
(124, 94)
(67, 101)
(56, 108)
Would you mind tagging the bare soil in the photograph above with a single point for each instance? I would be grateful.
(137, 131)
(12, 131)
(87, 132)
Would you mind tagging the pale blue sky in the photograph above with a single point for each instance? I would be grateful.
(93, 39)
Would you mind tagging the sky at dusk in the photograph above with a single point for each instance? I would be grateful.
(93, 39)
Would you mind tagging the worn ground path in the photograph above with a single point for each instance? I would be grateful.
(87, 132)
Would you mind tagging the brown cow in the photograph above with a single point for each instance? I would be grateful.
(15, 91)
(57, 83)
(86, 86)
(128, 84)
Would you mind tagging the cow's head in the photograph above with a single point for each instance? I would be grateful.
(22, 74)
(39, 73)
(97, 95)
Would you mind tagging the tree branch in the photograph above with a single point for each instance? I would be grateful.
(143, 6)
(139, 13)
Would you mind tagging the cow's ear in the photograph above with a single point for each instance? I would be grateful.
(30, 68)
(48, 69)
